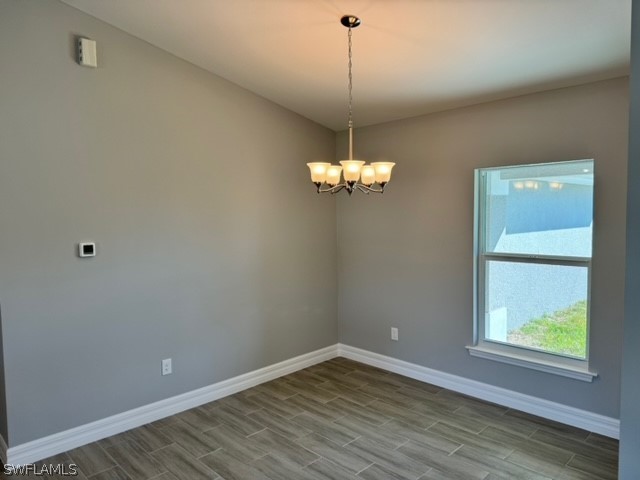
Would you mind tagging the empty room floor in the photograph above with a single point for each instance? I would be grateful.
(344, 420)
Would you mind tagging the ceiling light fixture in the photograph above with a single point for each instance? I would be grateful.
(357, 175)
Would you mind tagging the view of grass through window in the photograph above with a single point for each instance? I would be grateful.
(563, 331)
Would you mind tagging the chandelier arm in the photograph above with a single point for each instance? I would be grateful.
(332, 190)
(368, 190)
(350, 188)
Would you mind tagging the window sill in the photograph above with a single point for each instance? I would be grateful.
(554, 368)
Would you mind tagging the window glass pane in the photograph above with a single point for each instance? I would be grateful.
(540, 209)
(537, 306)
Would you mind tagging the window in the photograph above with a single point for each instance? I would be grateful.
(534, 229)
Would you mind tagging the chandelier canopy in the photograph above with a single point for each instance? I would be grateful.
(357, 175)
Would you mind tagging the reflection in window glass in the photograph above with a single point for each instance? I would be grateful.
(540, 210)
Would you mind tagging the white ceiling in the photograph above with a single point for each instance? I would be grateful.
(410, 56)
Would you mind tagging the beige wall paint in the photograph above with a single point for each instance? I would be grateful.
(406, 258)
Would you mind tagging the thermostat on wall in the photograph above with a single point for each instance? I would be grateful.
(87, 52)
(87, 249)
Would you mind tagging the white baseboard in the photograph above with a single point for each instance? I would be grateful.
(592, 422)
(106, 427)
(63, 441)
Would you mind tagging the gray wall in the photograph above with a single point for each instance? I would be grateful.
(4, 425)
(406, 257)
(630, 406)
(214, 249)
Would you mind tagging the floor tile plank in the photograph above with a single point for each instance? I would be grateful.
(386, 439)
(458, 435)
(280, 446)
(309, 405)
(280, 469)
(420, 435)
(135, 461)
(403, 414)
(360, 412)
(595, 467)
(242, 447)
(91, 459)
(535, 463)
(357, 396)
(230, 468)
(575, 446)
(506, 422)
(283, 408)
(283, 426)
(445, 416)
(305, 376)
(149, 438)
(549, 425)
(392, 460)
(115, 473)
(182, 464)
(276, 388)
(192, 440)
(445, 463)
(603, 442)
(334, 452)
(387, 395)
(198, 418)
(235, 419)
(59, 466)
(377, 472)
(325, 470)
(326, 428)
(497, 466)
(312, 391)
(239, 402)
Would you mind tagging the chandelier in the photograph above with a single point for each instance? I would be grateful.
(357, 175)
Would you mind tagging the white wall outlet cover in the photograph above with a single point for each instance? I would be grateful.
(394, 333)
(87, 249)
(87, 52)
(167, 368)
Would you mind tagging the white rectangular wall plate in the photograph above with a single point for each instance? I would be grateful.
(394, 333)
(167, 368)
(87, 52)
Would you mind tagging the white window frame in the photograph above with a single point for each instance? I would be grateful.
(522, 356)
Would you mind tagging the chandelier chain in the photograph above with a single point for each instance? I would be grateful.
(350, 83)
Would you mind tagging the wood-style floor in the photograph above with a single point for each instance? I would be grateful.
(344, 420)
